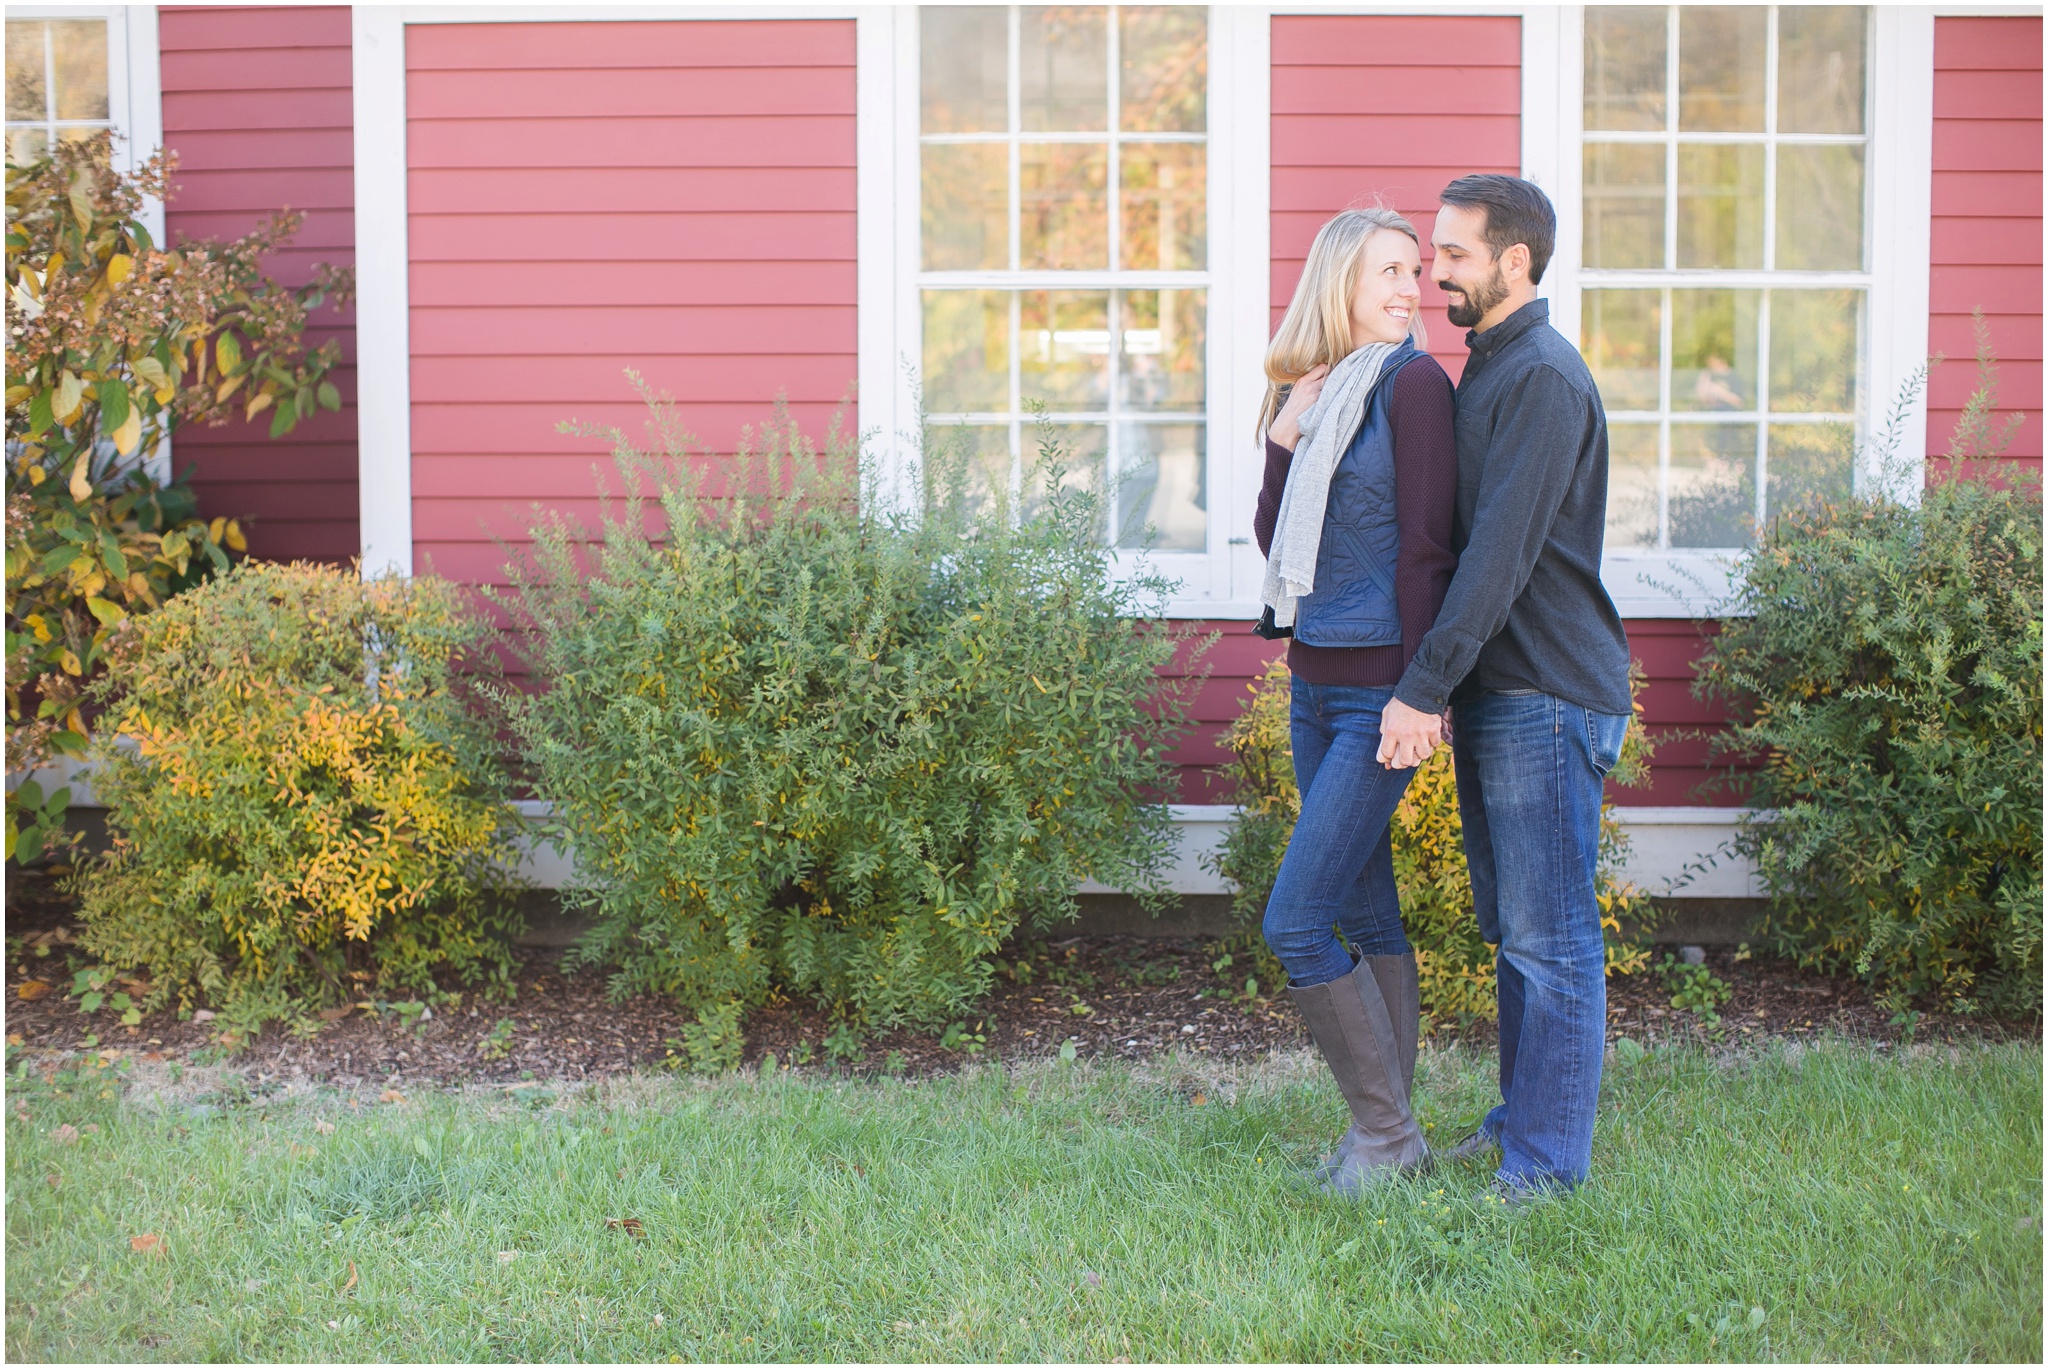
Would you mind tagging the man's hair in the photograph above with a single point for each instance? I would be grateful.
(1516, 211)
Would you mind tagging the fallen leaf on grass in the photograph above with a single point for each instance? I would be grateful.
(351, 1277)
(630, 1225)
(507, 1256)
(1091, 1278)
(65, 1134)
(334, 1014)
(91, 1128)
(391, 1096)
(148, 1244)
(203, 1015)
(32, 989)
(324, 1128)
(1199, 1100)
(53, 1179)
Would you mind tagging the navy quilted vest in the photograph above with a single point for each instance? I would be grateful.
(1353, 604)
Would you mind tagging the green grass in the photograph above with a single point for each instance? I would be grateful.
(1829, 1203)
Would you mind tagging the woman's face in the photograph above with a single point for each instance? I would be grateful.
(1389, 289)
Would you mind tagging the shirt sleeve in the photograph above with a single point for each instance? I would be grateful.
(1278, 461)
(1538, 432)
(1425, 497)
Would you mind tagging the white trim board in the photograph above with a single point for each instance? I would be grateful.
(383, 302)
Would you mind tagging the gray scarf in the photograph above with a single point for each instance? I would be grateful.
(1327, 427)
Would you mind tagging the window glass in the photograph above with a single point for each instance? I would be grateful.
(1064, 253)
(56, 84)
(1727, 361)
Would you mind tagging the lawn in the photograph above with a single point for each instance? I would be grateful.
(1790, 1202)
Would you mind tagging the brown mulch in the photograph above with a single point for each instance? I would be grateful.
(1112, 997)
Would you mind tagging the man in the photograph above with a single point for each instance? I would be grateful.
(1529, 655)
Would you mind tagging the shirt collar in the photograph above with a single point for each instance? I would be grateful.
(1484, 345)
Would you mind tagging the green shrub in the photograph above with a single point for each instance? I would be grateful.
(799, 741)
(1454, 963)
(1883, 663)
(305, 804)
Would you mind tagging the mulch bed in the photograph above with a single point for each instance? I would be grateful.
(1112, 997)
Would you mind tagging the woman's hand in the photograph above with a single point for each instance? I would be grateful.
(1286, 429)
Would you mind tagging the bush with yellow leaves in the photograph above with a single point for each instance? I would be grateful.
(307, 798)
(1454, 963)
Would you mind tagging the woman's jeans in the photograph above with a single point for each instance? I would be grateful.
(1339, 868)
(1530, 769)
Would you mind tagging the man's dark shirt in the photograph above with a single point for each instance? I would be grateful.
(1526, 609)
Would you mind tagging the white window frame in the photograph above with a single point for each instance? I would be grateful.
(1221, 580)
(1899, 168)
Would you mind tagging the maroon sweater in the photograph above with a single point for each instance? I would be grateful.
(1425, 498)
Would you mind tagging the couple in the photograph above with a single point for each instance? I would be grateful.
(1436, 559)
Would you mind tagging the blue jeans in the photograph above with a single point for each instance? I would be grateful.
(1529, 782)
(1339, 868)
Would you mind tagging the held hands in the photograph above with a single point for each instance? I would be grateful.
(1408, 736)
(1286, 429)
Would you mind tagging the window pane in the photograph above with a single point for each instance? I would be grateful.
(966, 351)
(1065, 214)
(1625, 67)
(970, 464)
(25, 145)
(1164, 85)
(965, 218)
(1162, 498)
(1807, 462)
(1063, 348)
(1820, 208)
(1713, 484)
(1713, 348)
(26, 96)
(1619, 331)
(1820, 68)
(1165, 206)
(1064, 67)
(1080, 451)
(1624, 206)
(964, 61)
(1813, 350)
(1720, 205)
(1721, 68)
(1632, 485)
(1165, 340)
(79, 47)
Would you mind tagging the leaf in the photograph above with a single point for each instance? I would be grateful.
(391, 1096)
(351, 1277)
(630, 1225)
(227, 354)
(257, 404)
(39, 418)
(128, 434)
(149, 1244)
(81, 477)
(32, 989)
(424, 1147)
(69, 660)
(330, 398)
(105, 610)
(114, 405)
(119, 267)
(91, 1002)
(285, 418)
(65, 1134)
(232, 537)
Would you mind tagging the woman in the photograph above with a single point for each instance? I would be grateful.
(1355, 522)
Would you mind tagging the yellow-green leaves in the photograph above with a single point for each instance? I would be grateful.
(70, 396)
(227, 354)
(81, 477)
(119, 267)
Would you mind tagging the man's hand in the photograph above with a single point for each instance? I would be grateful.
(1407, 735)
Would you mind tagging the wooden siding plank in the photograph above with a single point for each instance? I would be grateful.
(614, 93)
(825, 235)
(1394, 41)
(1987, 44)
(506, 329)
(496, 190)
(600, 46)
(597, 283)
(630, 144)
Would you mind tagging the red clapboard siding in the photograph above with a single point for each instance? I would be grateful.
(676, 198)
(258, 109)
(1986, 224)
(1394, 106)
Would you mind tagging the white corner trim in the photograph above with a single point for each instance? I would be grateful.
(383, 329)
(144, 121)
(885, 46)
(1241, 239)
(1902, 214)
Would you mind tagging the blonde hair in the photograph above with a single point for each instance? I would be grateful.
(1316, 330)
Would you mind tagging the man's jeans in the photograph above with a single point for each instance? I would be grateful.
(1529, 779)
(1339, 868)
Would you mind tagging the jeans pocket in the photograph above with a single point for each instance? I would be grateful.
(1605, 733)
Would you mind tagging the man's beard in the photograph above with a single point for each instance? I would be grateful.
(1478, 300)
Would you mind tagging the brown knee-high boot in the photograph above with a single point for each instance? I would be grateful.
(1354, 1029)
